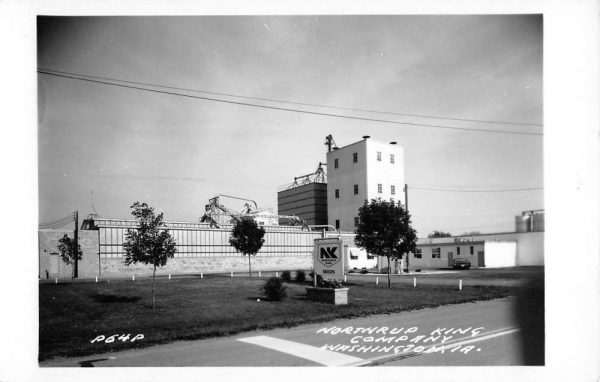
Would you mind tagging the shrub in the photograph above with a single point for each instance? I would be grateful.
(300, 276)
(274, 288)
(286, 276)
(364, 271)
(327, 283)
(319, 277)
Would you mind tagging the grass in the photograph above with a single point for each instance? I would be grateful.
(73, 314)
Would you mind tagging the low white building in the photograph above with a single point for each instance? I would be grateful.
(503, 249)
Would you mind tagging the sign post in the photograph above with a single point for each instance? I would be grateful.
(328, 259)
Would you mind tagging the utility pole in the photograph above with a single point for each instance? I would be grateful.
(76, 234)
(406, 209)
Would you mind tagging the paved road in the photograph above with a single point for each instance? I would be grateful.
(481, 333)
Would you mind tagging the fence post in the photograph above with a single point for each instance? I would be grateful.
(201, 275)
(169, 276)
(377, 280)
(231, 274)
(414, 281)
(459, 284)
(132, 277)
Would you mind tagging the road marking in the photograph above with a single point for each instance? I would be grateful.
(311, 353)
(450, 344)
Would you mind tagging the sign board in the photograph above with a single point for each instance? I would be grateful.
(328, 257)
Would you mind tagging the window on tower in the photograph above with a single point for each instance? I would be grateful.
(379, 188)
(355, 157)
(336, 163)
(378, 156)
(356, 189)
(392, 158)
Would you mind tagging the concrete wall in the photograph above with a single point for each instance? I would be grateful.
(50, 262)
(115, 267)
(530, 245)
(500, 254)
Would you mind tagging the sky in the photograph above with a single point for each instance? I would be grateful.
(175, 152)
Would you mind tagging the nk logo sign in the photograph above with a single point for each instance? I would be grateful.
(328, 256)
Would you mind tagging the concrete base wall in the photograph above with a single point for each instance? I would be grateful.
(116, 267)
(337, 296)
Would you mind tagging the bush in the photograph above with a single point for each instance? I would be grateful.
(274, 288)
(364, 271)
(327, 283)
(300, 276)
(286, 276)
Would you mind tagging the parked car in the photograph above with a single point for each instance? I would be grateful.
(461, 264)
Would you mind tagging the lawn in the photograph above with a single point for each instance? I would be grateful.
(513, 276)
(72, 315)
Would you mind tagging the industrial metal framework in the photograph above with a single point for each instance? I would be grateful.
(318, 176)
(217, 214)
(200, 240)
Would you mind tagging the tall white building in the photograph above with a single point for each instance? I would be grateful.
(364, 170)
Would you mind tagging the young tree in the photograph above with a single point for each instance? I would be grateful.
(384, 230)
(247, 237)
(67, 250)
(150, 243)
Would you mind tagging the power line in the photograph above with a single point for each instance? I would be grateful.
(59, 222)
(68, 217)
(292, 102)
(56, 224)
(288, 109)
(473, 190)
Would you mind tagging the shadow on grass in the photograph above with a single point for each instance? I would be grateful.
(112, 298)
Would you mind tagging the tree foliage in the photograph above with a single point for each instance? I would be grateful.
(150, 243)
(439, 234)
(67, 250)
(470, 233)
(247, 237)
(384, 229)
